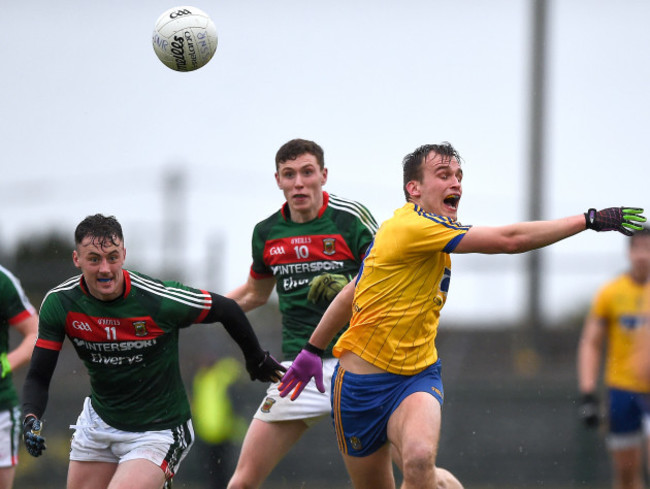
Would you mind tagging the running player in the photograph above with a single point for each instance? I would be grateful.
(15, 311)
(135, 428)
(611, 331)
(387, 392)
(308, 250)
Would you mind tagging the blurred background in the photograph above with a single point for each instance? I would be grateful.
(545, 100)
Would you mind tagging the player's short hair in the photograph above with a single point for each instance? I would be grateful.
(103, 230)
(641, 233)
(296, 147)
(412, 162)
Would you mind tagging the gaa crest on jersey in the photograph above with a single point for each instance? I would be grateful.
(329, 247)
(268, 404)
(140, 328)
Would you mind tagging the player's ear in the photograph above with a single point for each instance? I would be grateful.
(75, 259)
(323, 179)
(413, 188)
(277, 180)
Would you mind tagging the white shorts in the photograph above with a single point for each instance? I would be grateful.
(10, 431)
(311, 406)
(96, 441)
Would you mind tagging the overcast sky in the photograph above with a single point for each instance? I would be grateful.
(91, 121)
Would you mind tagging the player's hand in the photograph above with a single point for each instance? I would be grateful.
(588, 410)
(5, 365)
(265, 368)
(34, 442)
(326, 286)
(625, 220)
(307, 365)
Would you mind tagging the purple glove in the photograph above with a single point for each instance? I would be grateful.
(307, 364)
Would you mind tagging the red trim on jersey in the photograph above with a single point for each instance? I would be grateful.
(49, 344)
(20, 317)
(326, 200)
(259, 276)
(127, 283)
(204, 312)
(284, 210)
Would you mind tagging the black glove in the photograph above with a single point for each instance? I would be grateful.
(264, 367)
(589, 410)
(34, 442)
(622, 219)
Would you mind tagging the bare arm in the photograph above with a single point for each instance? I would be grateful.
(254, 293)
(520, 237)
(590, 350)
(20, 355)
(336, 316)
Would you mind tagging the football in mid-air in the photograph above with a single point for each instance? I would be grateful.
(184, 38)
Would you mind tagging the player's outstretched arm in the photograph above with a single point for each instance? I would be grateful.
(526, 236)
(260, 364)
(308, 363)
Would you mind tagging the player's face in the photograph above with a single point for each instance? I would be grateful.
(302, 182)
(640, 257)
(440, 190)
(101, 266)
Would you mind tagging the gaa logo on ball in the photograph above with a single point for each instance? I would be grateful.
(184, 38)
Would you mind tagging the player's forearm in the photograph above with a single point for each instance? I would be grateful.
(519, 237)
(588, 368)
(37, 382)
(336, 316)
(536, 234)
(21, 355)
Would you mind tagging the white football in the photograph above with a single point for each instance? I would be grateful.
(184, 38)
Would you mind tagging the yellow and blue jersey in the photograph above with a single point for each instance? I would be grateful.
(402, 287)
(621, 304)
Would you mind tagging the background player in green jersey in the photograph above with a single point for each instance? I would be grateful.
(15, 311)
(308, 250)
(135, 428)
(611, 331)
(387, 391)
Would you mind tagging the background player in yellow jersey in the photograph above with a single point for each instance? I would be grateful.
(387, 392)
(610, 330)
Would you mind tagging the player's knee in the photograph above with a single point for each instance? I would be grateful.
(418, 461)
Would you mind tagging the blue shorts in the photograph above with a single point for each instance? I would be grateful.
(627, 410)
(362, 405)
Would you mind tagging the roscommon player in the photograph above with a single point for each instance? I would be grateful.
(135, 428)
(611, 332)
(387, 392)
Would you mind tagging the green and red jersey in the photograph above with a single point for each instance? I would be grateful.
(294, 253)
(129, 346)
(14, 308)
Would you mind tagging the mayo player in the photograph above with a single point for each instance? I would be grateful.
(135, 428)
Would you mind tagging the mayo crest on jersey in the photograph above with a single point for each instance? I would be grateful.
(129, 346)
(402, 288)
(294, 253)
(621, 304)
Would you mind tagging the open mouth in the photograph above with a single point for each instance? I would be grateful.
(452, 201)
